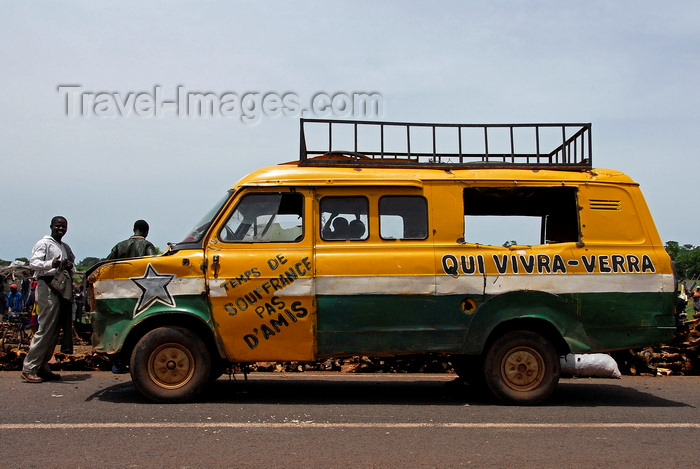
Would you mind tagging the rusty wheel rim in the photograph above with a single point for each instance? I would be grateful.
(171, 366)
(523, 368)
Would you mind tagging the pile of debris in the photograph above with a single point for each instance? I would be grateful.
(13, 274)
(679, 357)
(12, 360)
(89, 361)
(417, 364)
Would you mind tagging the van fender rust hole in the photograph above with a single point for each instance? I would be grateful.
(468, 305)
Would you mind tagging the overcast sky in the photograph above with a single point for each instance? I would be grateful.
(630, 68)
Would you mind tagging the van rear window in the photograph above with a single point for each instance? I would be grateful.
(504, 216)
(403, 217)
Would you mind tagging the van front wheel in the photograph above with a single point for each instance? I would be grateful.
(521, 367)
(170, 364)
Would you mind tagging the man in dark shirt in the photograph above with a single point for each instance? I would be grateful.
(136, 246)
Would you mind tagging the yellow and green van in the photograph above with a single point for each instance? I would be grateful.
(394, 239)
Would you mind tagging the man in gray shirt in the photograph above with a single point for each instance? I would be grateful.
(49, 257)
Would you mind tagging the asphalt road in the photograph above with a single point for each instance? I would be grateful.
(330, 420)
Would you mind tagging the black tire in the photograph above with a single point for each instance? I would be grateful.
(218, 368)
(470, 369)
(170, 364)
(521, 367)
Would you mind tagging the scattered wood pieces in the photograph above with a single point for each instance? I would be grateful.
(679, 357)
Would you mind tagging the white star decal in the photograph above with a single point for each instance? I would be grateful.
(154, 288)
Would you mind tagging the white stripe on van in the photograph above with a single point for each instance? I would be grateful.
(495, 284)
(300, 287)
(414, 285)
(127, 288)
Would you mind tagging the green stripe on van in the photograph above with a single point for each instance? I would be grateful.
(405, 324)
(390, 324)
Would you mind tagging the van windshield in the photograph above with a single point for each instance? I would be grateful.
(195, 235)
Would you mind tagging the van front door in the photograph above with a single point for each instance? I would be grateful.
(260, 277)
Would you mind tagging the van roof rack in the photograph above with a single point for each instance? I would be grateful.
(410, 145)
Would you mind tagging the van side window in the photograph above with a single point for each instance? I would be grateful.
(344, 218)
(503, 216)
(403, 217)
(266, 218)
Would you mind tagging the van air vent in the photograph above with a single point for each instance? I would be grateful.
(600, 204)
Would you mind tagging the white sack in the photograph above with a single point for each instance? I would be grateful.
(593, 365)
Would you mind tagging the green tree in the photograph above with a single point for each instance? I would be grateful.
(88, 262)
(672, 249)
(687, 259)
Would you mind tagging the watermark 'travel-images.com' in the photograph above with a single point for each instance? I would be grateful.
(249, 107)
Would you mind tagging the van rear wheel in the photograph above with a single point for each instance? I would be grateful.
(170, 364)
(521, 367)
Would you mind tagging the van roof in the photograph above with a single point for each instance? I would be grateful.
(296, 174)
(345, 152)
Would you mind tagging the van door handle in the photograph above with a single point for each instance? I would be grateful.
(215, 266)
